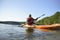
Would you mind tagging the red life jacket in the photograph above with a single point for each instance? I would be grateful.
(30, 21)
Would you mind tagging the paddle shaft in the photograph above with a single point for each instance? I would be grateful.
(40, 16)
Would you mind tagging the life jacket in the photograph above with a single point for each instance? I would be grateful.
(30, 21)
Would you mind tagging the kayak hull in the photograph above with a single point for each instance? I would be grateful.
(43, 26)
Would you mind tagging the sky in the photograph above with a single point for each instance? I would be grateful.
(18, 10)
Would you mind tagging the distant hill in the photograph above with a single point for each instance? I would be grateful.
(50, 20)
(11, 22)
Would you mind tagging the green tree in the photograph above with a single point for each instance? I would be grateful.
(50, 20)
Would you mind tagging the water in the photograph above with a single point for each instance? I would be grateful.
(13, 32)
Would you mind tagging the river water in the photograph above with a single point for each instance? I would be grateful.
(13, 32)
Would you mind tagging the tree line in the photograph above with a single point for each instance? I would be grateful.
(50, 20)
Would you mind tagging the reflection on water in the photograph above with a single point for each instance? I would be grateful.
(47, 30)
(45, 35)
(29, 32)
(13, 32)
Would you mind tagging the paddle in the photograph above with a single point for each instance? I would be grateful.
(40, 16)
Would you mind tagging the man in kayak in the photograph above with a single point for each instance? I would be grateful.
(30, 20)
